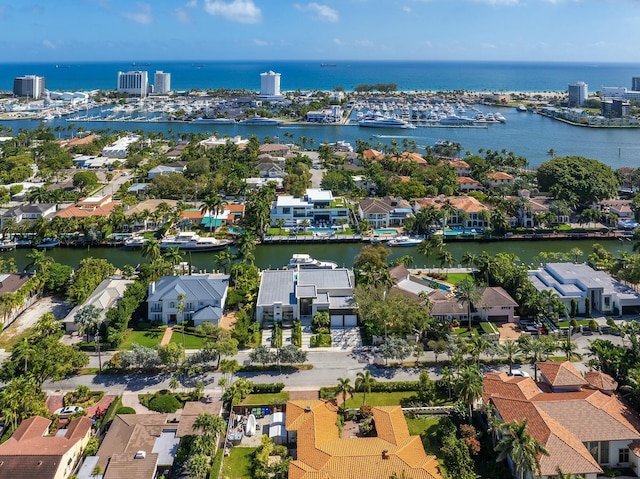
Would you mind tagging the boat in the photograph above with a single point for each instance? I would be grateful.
(382, 121)
(500, 117)
(521, 108)
(191, 241)
(324, 65)
(260, 120)
(135, 242)
(454, 120)
(8, 245)
(250, 426)
(48, 243)
(213, 121)
(404, 241)
(304, 261)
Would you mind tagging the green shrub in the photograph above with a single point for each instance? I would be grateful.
(164, 403)
(92, 447)
(320, 340)
(574, 323)
(126, 410)
(268, 388)
(593, 325)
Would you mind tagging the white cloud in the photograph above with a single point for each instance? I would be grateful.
(321, 12)
(144, 16)
(365, 43)
(241, 11)
(337, 41)
(427, 43)
(191, 4)
(261, 43)
(406, 9)
(488, 45)
(500, 2)
(49, 44)
(182, 15)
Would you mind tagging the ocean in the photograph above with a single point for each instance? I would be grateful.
(312, 75)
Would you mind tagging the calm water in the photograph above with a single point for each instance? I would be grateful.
(277, 256)
(308, 75)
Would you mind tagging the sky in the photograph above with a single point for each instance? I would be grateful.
(483, 30)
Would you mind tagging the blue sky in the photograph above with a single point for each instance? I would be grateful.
(503, 30)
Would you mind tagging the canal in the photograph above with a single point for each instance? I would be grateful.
(277, 256)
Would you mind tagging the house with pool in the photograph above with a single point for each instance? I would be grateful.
(385, 212)
(464, 213)
(317, 207)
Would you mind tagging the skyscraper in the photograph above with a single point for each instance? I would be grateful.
(270, 84)
(134, 83)
(161, 82)
(635, 83)
(31, 86)
(578, 93)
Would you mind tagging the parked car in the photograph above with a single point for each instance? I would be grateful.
(67, 411)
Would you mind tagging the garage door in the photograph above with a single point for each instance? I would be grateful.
(337, 321)
(350, 320)
(498, 319)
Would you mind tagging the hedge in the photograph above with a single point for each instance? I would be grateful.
(165, 403)
(126, 410)
(378, 387)
(268, 388)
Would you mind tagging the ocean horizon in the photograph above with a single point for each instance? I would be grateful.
(325, 75)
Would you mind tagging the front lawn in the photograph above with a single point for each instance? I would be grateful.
(191, 341)
(149, 338)
(266, 398)
(238, 464)
(377, 399)
(465, 333)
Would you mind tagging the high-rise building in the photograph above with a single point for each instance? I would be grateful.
(578, 93)
(161, 82)
(635, 83)
(270, 84)
(31, 86)
(134, 83)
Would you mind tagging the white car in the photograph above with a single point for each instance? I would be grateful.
(520, 373)
(67, 411)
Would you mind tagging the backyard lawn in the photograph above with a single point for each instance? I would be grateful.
(260, 399)
(191, 341)
(425, 426)
(456, 278)
(238, 464)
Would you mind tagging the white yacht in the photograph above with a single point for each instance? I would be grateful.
(213, 121)
(454, 120)
(190, 241)
(305, 261)
(382, 121)
(500, 117)
(135, 242)
(260, 120)
(404, 241)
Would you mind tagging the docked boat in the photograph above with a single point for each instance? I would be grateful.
(404, 241)
(191, 241)
(305, 261)
(454, 120)
(48, 243)
(135, 242)
(521, 108)
(213, 121)
(8, 245)
(260, 121)
(500, 117)
(382, 121)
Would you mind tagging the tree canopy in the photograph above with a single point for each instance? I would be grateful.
(577, 180)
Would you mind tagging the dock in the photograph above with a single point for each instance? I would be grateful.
(308, 239)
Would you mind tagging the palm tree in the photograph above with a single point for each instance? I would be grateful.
(222, 260)
(344, 387)
(210, 425)
(151, 249)
(211, 205)
(510, 349)
(523, 449)
(469, 387)
(364, 381)
(280, 222)
(467, 292)
(172, 255)
(570, 349)
(476, 346)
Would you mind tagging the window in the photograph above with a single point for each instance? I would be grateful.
(623, 455)
(286, 210)
(599, 450)
(172, 304)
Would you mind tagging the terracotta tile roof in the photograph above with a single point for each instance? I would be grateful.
(466, 180)
(322, 454)
(499, 175)
(150, 205)
(75, 211)
(372, 154)
(412, 157)
(512, 387)
(463, 203)
(601, 381)
(560, 374)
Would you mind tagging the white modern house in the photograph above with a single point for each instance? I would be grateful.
(286, 295)
(580, 282)
(120, 148)
(197, 298)
(318, 206)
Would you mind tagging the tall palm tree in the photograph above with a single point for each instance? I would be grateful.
(469, 387)
(524, 450)
(467, 292)
(151, 249)
(344, 387)
(211, 205)
(510, 349)
(172, 255)
(364, 381)
(222, 260)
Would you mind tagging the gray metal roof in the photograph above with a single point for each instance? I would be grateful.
(306, 291)
(195, 286)
(326, 278)
(276, 286)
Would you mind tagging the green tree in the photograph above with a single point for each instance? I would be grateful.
(522, 448)
(364, 382)
(469, 387)
(344, 388)
(467, 293)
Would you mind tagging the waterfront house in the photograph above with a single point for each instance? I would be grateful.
(317, 206)
(31, 452)
(120, 147)
(271, 166)
(384, 212)
(461, 167)
(275, 149)
(203, 298)
(10, 283)
(214, 141)
(467, 184)
(495, 305)
(323, 450)
(583, 428)
(29, 212)
(462, 211)
(580, 282)
(176, 167)
(285, 295)
(90, 206)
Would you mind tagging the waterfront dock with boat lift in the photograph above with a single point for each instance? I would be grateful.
(316, 238)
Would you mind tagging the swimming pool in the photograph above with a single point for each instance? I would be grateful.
(436, 284)
(321, 230)
(385, 231)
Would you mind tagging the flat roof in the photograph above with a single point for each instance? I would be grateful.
(276, 286)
